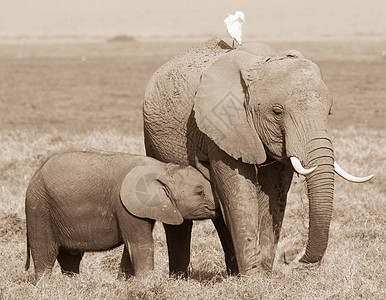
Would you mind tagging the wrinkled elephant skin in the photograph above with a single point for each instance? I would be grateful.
(238, 116)
(89, 200)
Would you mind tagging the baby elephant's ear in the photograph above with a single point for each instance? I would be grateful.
(144, 195)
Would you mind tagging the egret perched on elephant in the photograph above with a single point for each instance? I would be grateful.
(234, 24)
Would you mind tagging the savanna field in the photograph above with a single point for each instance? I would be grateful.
(53, 96)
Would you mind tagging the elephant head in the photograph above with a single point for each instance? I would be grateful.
(255, 104)
(167, 193)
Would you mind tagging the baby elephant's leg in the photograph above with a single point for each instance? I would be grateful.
(44, 249)
(126, 268)
(69, 262)
(138, 239)
(143, 257)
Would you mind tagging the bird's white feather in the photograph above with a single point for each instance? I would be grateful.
(234, 25)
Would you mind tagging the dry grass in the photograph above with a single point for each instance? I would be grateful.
(354, 266)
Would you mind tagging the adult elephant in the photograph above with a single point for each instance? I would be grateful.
(246, 118)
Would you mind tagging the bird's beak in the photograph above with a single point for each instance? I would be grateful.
(240, 18)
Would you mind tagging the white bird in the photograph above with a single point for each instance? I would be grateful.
(234, 25)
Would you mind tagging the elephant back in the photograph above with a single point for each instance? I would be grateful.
(178, 79)
(169, 98)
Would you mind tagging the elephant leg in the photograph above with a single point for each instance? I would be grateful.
(178, 240)
(69, 263)
(138, 238)
(227, 245)
(142, 254)
(235, 183)
(273, 183)
(177, 236)
(44, 249)
(126, 268)
(44, 260)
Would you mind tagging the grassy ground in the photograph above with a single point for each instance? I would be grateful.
(52, 96)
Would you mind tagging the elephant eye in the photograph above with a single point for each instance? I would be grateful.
(277, 110)
(199, 190)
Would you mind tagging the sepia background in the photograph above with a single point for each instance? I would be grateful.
(74, 72)
(184, 18)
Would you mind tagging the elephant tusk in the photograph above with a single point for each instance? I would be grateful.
(342, 173)
(297, 165)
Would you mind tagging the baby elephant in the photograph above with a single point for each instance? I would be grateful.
(88, 200)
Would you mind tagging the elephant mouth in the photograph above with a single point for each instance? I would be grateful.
(217, 212)
(203, 212)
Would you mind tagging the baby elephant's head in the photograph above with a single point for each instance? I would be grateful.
(168, 193)
(192, 192)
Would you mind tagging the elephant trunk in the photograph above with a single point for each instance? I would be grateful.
(320, 188)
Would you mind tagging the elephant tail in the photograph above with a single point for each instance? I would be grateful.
(27, 263)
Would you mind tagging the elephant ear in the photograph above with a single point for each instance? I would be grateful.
(144, 195)
(222, 110)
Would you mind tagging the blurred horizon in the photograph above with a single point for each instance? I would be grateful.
(265, 19)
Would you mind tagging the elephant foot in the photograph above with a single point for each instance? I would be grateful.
(289, 256)
(41, 278)
(267, 265)
(181, 274)
(256, 272)
(259, 268)
(232, 268)
(122, 275)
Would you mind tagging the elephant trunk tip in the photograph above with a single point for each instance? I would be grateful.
(307, 259)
